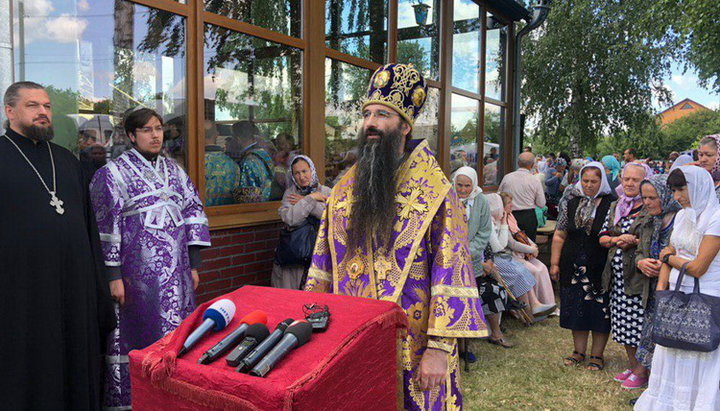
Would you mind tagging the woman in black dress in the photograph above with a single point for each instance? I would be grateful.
(578, 260)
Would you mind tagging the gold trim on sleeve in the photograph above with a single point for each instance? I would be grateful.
(454, 291)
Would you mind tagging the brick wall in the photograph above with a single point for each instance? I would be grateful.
(237, 257)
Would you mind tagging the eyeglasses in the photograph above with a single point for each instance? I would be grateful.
(381, 114)
(148, 130)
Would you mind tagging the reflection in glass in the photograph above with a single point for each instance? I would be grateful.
(283, 16)
(345, 87)
(493, 144)
(466, 46)
(253, 101)
(464, 120)
(495, 58)
(357, 27)
(426, 125)
(419, 44)
(99, 60)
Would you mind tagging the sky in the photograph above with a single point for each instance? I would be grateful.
(685, 85)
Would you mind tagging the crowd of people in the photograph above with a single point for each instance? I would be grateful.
(441, 247)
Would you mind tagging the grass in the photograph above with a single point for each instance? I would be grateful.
(531, 375)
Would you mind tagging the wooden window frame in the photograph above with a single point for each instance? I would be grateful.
(314, 54)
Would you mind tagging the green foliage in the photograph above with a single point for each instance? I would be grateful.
(594, 70)
(64, 102)
(686, 132)
(695, 22)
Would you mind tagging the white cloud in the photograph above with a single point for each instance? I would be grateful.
(38, 8)
(714, 105)
(83, 5)
(66, 28)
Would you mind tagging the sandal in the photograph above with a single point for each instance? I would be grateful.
(573, 360)
(501, 342)
(596, 365)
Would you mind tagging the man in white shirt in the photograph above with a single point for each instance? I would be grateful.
(527, 193)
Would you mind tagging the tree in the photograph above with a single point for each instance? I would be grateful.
(694, 22)
(684, 133)
(594, 70)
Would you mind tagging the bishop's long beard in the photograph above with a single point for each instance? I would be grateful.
(373, 210)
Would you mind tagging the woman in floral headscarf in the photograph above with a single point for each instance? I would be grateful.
(303, 199)
(709, 158)
(577, 261)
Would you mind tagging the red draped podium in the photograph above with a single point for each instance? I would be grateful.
(352, 365)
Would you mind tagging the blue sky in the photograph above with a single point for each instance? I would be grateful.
(685, 85)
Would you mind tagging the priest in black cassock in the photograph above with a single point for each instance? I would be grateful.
(55, 307)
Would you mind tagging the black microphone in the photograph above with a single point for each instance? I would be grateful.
(255, 333)
(266, 345)
(233, 338)
(296, 335)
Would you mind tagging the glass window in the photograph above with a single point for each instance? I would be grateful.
(99, 60)
(345, 87)
(464, 120)
(426, 125)
(357, 27)
(253, 112)
(493, 144)
(495, 58)
(466, 46)
(283, 16)
(419, 35)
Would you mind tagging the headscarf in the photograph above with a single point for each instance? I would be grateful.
(667, 202)
(612, 164)
(624, 203)
(496, 206)
(716, 167)
(585, 214)
(314, 183)
(692, 222)
(681, 161)
(470, 173)
(560, 162)
(576, 165)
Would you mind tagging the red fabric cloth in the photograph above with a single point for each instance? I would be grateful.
(351, 365)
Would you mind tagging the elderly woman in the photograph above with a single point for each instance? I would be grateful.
(656, 225)
(517, 277)
(681, 379)
(620, 275)
(577, 261)
(304, 198)
(709, 158)
(527, 254)
(477, 210)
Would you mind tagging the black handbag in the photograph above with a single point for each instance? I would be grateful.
(297, 243)
(687, 321)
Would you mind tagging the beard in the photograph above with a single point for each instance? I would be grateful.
(38, 133)
(374, 207)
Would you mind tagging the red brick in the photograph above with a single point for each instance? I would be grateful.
(242, 259)
(218, 285)
(211, 275)
(232, 250)
(264, 256)
(217, 263)
(244, 280)
(242, 238)
(209, 253)
(258, 246)
(231, 272)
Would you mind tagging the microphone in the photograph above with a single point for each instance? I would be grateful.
(255, 333)
(255, 317)
(266, 345)
(296, 335)
(216, 317)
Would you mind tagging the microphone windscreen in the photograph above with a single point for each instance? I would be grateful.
(284, 325)
(258, 331)
(221, 312)
(301, 331)
(257, 316)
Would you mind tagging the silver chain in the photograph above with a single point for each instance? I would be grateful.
(52, 162)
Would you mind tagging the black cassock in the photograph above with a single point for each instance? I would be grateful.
(55, 307)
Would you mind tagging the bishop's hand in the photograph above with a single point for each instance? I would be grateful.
(433, 369)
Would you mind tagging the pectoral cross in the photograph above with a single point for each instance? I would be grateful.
(57, 203)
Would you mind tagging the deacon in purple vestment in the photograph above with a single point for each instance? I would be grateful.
(395, 230)
(152, 224)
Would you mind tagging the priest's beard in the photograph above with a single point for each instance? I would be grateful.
(374, 207)
(37, 133)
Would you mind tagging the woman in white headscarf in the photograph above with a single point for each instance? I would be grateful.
(681, 379)
(493, 295)
(578, 260)
(304, 199)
